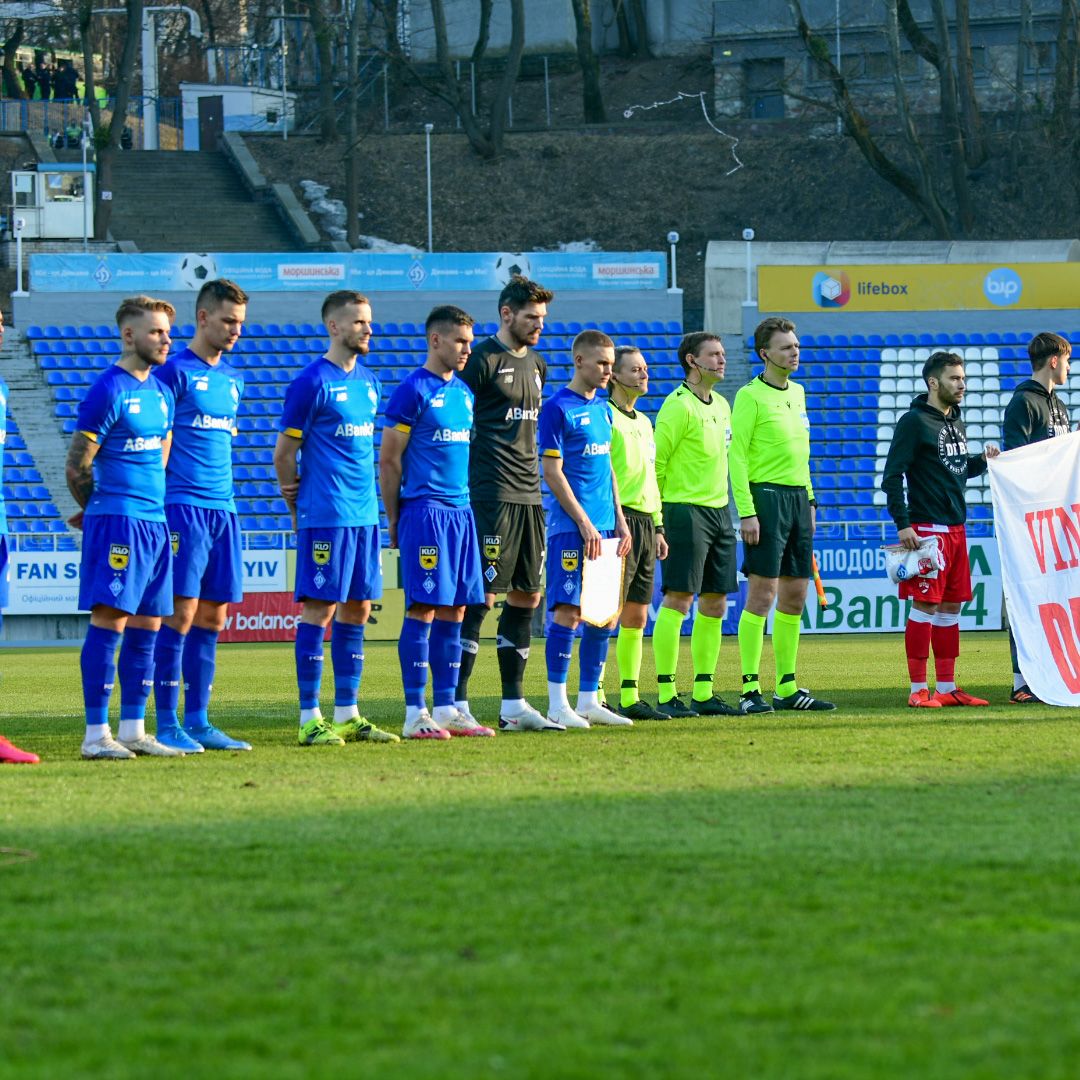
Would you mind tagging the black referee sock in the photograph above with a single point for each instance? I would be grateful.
(470, 646)
(513, 643)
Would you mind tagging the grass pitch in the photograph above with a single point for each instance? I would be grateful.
(875, 892)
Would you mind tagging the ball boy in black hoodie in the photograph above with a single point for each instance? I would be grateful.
(929, 451)
(1033, 414)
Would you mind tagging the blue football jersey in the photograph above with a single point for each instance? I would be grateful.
(206, 398)
(578, 430)
(437, 415)
(129, 420)
(332, 413)
(3, 440)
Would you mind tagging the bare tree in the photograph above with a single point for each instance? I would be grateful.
(323, 31)
(107, 135)
(13, 85)
(1062, 118)
(485, 138)
(858, 127)
(975, 151)
(1015, 139)
(590, 67)
(632, 27)
(950, 112)
(352, 149)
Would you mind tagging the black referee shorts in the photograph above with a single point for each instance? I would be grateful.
(786, 547)
(701, 549)
(639, 570)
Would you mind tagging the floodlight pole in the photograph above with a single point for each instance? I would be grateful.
(428, 129)
(86, 129)
(18, 225)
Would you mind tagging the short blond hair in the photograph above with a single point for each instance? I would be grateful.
(134, 307)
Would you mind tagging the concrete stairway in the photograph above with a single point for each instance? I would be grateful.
(31, 403)
(169, 200)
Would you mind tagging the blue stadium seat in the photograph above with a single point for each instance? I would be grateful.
(841, 340)
(103, 331)
(87, 332)
(674, 327)
(34, 333)
(908, 341)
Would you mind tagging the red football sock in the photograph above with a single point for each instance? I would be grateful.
(917, 646)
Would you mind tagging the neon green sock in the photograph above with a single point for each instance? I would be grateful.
(629, 646)
(785, 642)
(751, 642)
(705, 649)
(665, 643)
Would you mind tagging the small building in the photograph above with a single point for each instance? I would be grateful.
(209, 110)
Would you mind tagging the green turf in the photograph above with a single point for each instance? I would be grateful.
(876, 892)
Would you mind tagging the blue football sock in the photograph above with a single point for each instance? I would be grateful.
(593, 655)
(347, 656)
(98, 665)
(309, 663)
(167, 650)
(445, 655)
(136, 670)
(413, 654)
(199, 664)
(559, 651)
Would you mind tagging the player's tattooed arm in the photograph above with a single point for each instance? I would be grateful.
(79, 468)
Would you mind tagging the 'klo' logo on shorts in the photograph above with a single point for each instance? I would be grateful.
(320, 551)
(492, 547)
(174, 539)
(119, 556)
(570, 560)
(429, 557)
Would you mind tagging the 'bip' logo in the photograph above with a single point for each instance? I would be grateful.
(1003, 286)
(831, 290)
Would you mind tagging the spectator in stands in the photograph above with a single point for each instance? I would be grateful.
(1036, 413)
(203, 525)
(329, 413)
(507, 376)
(424, 479)
(66, 81)
(9, 754)
(693, 431)
(116, 473)
(770, 478)
(929, 454)
(633, 459)
(574, 438)
(44, 75)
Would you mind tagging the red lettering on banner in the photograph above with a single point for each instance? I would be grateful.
(1046, 520)
(1061, 635)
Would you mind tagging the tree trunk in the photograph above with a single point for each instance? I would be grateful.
(641, 23)
(107, 136)
(924, 170)
(479, 49)
(13, 86)
(1022, 37)
(622, 24)
(352, 150)
(950, 114)
(1061, 118)
(974, 142)
(323, 32)
(499, 105)
(857, 127)
(593, 99)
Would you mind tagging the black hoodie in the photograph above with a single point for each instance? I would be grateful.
(1033, 414)
(929, 450)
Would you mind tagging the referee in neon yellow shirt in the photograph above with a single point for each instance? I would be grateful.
(693, 429)
(770, 479)
(633, 459)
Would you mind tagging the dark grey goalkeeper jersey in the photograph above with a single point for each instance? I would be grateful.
(503, 461)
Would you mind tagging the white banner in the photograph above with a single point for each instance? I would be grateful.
(1036, 494)
(47, 582)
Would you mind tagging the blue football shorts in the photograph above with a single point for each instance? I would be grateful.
(126, 564)
(338, 564)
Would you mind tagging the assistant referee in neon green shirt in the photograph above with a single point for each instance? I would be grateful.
(770, 479)
(693, 429)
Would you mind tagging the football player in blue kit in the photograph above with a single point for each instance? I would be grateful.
(424, 479)
(329, 413)
(574, 438)
(203, 525)
(116, 473)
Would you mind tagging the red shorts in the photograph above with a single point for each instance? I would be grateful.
(953, 584)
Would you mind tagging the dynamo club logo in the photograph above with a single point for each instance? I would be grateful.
(1003, 286)
(831, 290)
